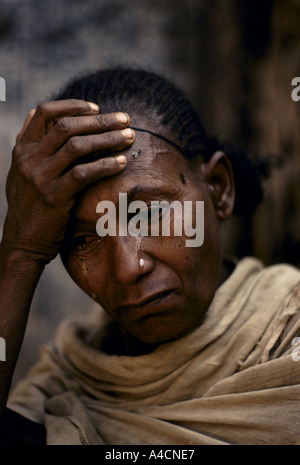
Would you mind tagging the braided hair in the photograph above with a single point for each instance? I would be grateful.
(140, 93)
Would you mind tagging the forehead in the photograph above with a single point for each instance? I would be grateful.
(152, 157)
(151, 163)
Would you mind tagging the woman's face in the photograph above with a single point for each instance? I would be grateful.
(155, 287)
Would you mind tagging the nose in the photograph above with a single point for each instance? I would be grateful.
(128, 261)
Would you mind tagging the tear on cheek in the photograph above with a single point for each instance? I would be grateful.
(83, 267)
(85, 274)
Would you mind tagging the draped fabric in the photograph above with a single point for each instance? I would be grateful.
(233, 380)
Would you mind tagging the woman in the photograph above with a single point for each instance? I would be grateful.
(190, 348)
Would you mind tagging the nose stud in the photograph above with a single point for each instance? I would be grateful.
(141, 262)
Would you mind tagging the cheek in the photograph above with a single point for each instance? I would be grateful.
(186, 255)
(82, 270)
(200, 267)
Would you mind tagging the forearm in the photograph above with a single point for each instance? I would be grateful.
(18, 280)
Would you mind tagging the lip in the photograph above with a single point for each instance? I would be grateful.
(150, 304)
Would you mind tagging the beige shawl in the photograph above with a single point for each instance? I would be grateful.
(234, 380)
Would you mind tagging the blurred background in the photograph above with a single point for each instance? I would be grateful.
(234, 59)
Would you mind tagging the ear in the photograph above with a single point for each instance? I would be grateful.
(219, 177)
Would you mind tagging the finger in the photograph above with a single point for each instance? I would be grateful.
(69, 126)
(48, 113)
(83, 149)
(26, 122)
(82, 175)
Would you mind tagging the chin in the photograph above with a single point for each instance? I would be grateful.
(157, 333)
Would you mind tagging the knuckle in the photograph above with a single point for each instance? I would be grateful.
(106, 166)
(78, 173)
(51, 198)
(22, 170)
(110, 138)
(42, 108)
(21, 163)
(17, 152)
(36, 181)
(101, 121)
(103, 164)
(35, 176)
(75, 145)
(64, 126)
(22, 166)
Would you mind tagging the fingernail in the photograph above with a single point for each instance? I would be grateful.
(122, 117)
(94, 106)
(121, 159)
(128, 133)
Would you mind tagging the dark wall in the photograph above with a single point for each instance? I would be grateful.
(235, 60)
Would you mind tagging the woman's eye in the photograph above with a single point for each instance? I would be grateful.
(80, 243)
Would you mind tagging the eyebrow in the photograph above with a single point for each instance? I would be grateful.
(151, 190)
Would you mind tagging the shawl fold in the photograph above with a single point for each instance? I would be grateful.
(233, 380)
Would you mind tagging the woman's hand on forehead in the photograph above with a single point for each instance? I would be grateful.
(52, 163)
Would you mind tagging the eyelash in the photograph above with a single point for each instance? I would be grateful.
(81, 243)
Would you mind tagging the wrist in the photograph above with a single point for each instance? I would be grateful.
(18, 262)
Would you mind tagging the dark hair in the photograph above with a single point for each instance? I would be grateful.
(140, 92)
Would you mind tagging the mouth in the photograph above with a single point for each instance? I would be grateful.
(152, 303)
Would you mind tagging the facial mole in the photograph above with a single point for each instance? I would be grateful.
(183, 178)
